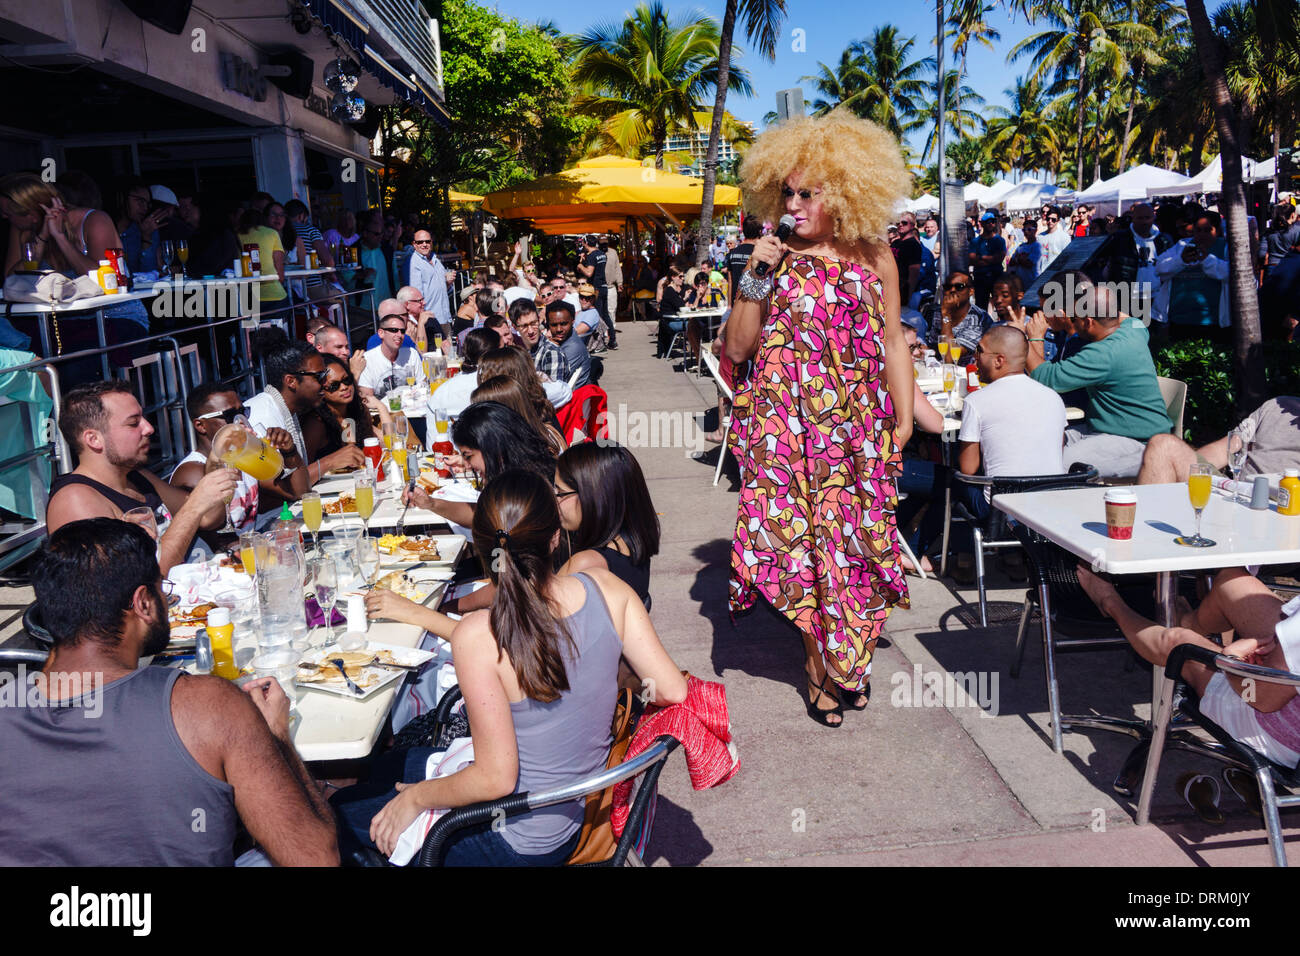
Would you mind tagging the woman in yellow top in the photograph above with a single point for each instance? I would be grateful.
(251, 230)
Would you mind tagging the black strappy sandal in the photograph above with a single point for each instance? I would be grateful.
(819, 715)
(854, 700)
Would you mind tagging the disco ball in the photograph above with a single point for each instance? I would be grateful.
(349, 107)
(341, 76)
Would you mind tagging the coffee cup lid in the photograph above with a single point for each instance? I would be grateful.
(1122, 496)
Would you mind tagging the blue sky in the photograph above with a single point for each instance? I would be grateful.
(828, 26)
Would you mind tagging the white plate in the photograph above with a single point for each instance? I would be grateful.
(386, 675)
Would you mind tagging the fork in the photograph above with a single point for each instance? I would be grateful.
(401, 522)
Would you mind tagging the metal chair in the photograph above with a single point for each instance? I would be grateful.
(1065, 609)
(711, 362)
(146, 373)
(1266, 772)
(636, 833)
(990, 532)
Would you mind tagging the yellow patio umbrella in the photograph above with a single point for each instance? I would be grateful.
(600, 193)
(454, 196)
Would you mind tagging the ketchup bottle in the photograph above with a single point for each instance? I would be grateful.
(972, 376)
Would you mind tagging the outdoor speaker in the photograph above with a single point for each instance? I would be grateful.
(298, 83)
(168, 15)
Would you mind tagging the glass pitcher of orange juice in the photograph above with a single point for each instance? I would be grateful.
(238, 445)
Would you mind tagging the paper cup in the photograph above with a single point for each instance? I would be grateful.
(1121, 507)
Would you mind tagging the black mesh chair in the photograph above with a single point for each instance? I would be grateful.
(1266, 772)
(1070, 622)
(990, 532)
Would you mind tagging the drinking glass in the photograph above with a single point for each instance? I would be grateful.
(1200, 483)
(312, 515)
(145, 518)
(215, 464)
(949, 381)
(943, 349)
(168, 254)
(183, 253)
(363, 489)
(368, 560)
(389, 435)
(325, 579)
(1237, 450)
(253, 550)
(954, 352)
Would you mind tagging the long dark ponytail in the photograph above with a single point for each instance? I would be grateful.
(515, 521)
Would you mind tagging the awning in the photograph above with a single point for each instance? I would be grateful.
(598, 192)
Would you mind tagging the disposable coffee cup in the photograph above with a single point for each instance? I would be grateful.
(1121, 507)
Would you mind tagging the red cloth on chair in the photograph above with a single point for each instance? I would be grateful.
(701, 725)
(587, 412)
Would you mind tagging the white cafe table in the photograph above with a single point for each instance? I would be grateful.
(1075, 519)
(336, 728)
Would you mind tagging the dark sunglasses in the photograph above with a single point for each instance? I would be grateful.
(401, 331)
(333, 387)
(318, 376)
(422, 242)
(957, 287)
(1053, 218)
(228, 415)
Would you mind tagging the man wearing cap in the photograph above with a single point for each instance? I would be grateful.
(592, 268)
(988, 252)
(587, 325)
(173, 226)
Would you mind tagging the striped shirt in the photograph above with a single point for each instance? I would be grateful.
(309, 235)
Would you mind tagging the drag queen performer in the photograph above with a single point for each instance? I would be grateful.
(818, 423)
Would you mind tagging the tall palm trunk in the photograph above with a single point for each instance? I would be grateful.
(1128, 121)
(1248, 349)
(705, 236)
(1078, 142)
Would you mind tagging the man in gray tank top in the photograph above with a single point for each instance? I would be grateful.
(109, 764)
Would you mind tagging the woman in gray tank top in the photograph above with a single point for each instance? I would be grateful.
(539, 672)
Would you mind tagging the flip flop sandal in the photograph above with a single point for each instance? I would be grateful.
(1201, 791)
(1247, 790)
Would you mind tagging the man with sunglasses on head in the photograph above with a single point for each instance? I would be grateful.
(212, 407)
(968, 320)
(390, 363)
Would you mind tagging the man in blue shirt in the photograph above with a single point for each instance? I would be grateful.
(987, 254)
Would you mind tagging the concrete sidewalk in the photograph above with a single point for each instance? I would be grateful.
(898, 784)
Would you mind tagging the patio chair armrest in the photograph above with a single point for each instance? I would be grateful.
(1228, 665)
(983, 481)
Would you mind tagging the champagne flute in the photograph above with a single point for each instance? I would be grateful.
(168, 254)
(943, 349)
(954, 352)
(145, 518)
(363, 489)
(949, 381)
(1200, 483)
(183, 254)
(216, 464)
(368, 560)
(325, 577)
(1236, 461)
(312, 516)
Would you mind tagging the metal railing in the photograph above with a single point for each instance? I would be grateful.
(19, 537)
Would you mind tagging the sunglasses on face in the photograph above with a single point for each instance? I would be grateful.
(423, 242)
(318, 376)
(333, 387)
(393, 331)
(227, 415)
(1053, 218)
(957, 287)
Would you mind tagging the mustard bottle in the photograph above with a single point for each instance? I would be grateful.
(221, 634)
(106, 276)
(1288, 493)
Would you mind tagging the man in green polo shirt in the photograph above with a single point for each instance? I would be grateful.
(1114, 368)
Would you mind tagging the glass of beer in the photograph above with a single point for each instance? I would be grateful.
(1200, 483)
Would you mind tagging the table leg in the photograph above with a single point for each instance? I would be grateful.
(1162, 689)
(103, 343)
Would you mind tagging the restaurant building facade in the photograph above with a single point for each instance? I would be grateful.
(224, 96)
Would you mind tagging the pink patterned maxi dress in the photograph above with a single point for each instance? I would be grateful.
(813, 430)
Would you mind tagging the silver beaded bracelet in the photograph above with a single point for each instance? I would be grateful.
(752, 288)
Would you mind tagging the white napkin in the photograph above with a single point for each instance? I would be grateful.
(458, 756)
(207, 582)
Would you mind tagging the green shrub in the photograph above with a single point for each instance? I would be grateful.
(1208, 370)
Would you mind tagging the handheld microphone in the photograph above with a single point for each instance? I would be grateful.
(783, 230)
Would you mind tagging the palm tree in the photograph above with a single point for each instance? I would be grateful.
(966, 23)
(893, 91)
(1232, 202)
(957, 118)
(645, 77)
(762, 25)
(1083, 33)
(1024, 136)
(845, 85)
(1170, 26)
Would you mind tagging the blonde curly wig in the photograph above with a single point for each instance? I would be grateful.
(857, 163)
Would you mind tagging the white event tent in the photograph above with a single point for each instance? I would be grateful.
(1030, 195)
(1210, 179)
(1132, 185)
(923, 203)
